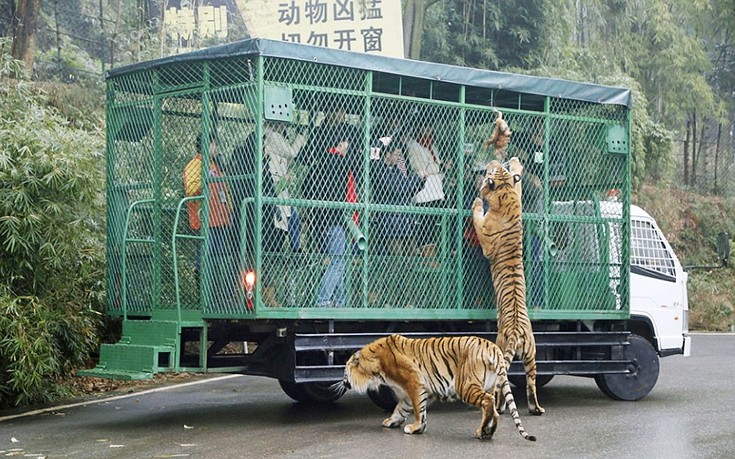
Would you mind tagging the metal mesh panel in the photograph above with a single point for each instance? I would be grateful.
(338, 192)
(648, 250)
(313, 74)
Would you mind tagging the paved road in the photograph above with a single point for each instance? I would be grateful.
(689, 414)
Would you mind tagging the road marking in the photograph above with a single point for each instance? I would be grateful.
(711, 333)
(116, 397)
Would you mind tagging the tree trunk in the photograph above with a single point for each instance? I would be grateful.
(414, 46)
(716, 189)
(693, 175)
(414, 12)
(686, 153)
(702, 150)
(409, 11)
(24, 31)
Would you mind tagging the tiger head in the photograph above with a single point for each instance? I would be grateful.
(497, 179)
(364, 369)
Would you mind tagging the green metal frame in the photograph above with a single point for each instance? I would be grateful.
(206, 85)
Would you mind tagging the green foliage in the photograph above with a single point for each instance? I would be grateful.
(658, 144)
(711, 301)
(51, 241)
(673, 64)
(41, 343)
(485, 34)
(82, 105)
(69, 64)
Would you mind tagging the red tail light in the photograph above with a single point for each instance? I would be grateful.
(248, 281)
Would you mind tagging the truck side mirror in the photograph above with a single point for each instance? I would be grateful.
(723, 248)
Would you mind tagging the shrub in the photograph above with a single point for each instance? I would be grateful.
(51, 241)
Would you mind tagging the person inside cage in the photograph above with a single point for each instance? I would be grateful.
(527, 145)
(218, 218)
(335, 172)
(425, 161)
(478, 291)
(282, 222)
(393, 184)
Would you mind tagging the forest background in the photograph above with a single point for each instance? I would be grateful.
(677, 56)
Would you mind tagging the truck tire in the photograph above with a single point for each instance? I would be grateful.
(643, 374)
(311, 392)
(520, 381)
(384, 398)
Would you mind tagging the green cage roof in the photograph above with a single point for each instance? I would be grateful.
(541, 86)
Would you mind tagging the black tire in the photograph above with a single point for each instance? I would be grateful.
(384, 398)
(644, 369)
(520, 381)
(312, 392)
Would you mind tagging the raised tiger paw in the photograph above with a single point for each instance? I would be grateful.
(476, 204)
(515, 166)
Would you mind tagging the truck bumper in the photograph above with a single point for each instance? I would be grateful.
(685, 349)
(687, 345)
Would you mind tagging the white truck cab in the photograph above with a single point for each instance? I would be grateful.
(658, 285)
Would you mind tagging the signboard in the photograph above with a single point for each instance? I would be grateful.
(183, 20)
(369, 26)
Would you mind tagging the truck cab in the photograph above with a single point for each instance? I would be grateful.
(659, 308)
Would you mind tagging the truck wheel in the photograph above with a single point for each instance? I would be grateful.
(520, 381)
(384, 398)
(311, 392)
(643, 374)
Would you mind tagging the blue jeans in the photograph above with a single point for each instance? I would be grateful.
(294, 230)
(537, 279)
(222, 269)
(332, 286)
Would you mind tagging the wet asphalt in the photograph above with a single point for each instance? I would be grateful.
(689, 414)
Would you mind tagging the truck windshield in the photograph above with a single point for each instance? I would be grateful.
(648, 251)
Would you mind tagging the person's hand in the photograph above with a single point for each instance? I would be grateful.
(301, 128)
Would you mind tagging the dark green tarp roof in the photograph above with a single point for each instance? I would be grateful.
(438, 72)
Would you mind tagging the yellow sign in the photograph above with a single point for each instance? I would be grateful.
(369, 26)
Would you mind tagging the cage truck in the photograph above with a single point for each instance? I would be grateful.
(239, 292)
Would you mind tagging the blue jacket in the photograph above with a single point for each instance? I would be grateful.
(390, 186)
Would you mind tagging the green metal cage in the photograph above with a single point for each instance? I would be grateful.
(334, 185)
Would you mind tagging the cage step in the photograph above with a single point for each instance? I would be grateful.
(150, 332)
(132, 361)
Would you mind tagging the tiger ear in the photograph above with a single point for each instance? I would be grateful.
(516, 178)
(490, 184)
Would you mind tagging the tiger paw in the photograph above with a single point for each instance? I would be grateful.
(486, 433)
(514, 166)
(415, 428)
(390, 422)
(477, 204)
(537, 411)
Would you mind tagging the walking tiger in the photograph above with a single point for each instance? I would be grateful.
(421, 369)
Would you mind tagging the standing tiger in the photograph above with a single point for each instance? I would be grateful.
(500, 233)
(421, 369)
